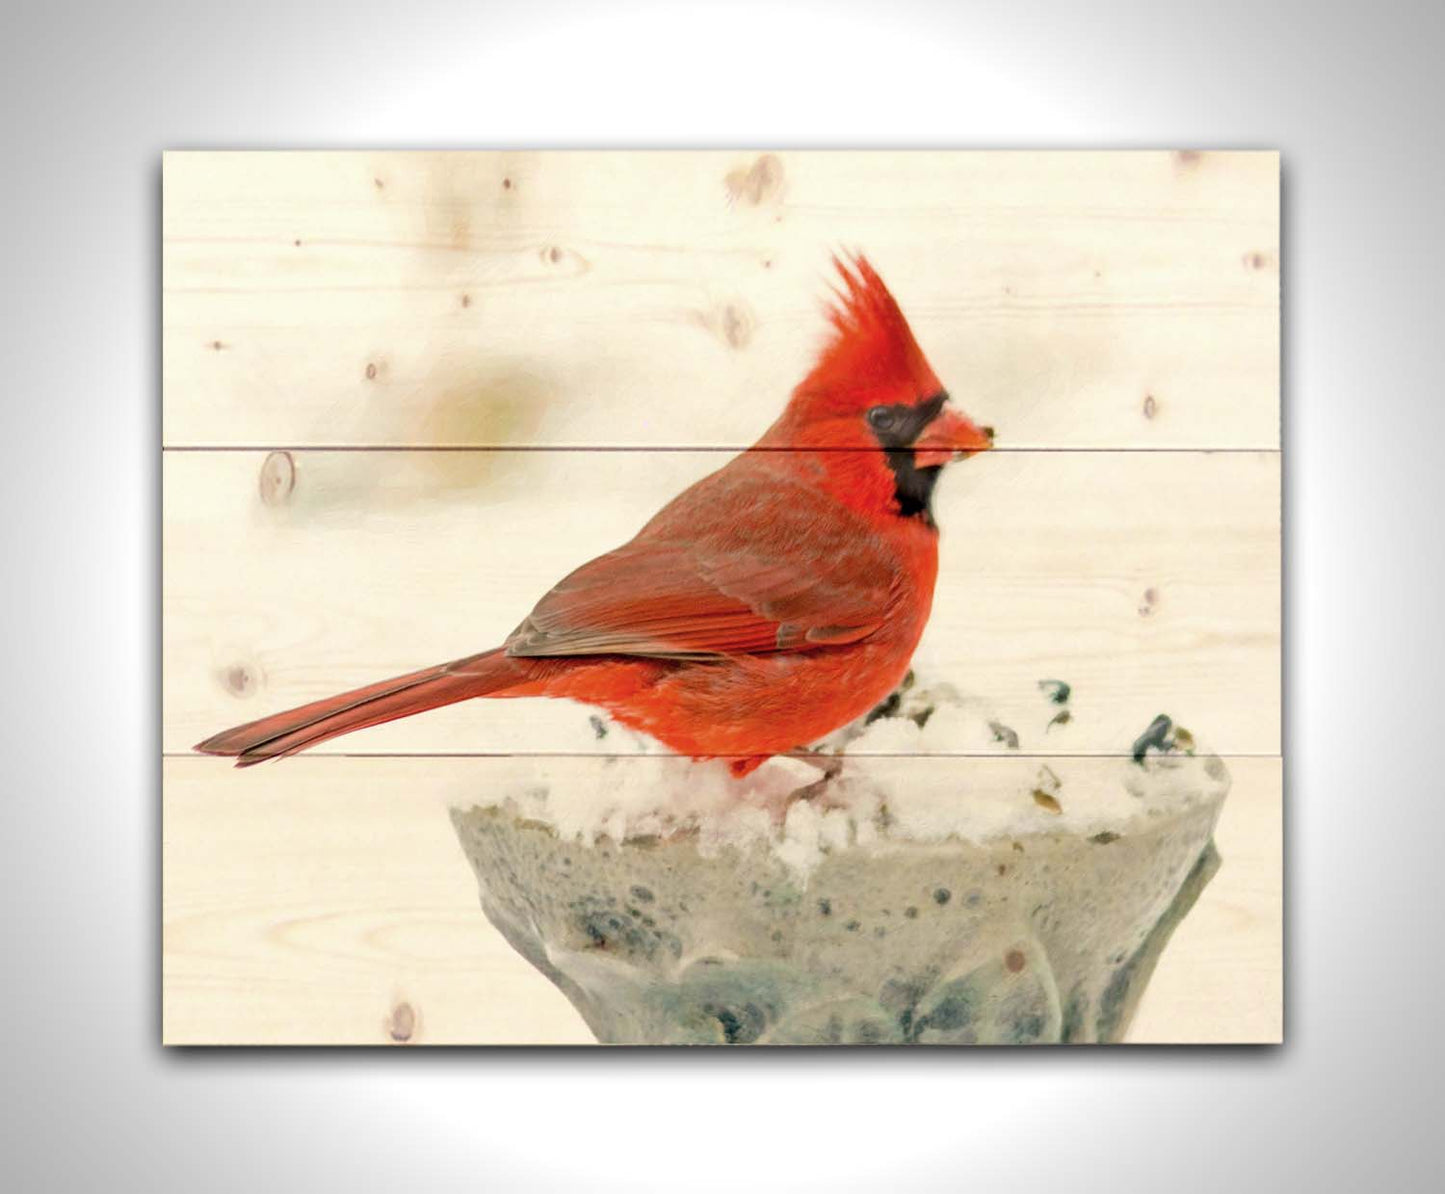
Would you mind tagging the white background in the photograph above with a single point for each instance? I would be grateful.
(90, 95)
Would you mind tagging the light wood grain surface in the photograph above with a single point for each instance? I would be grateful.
(405, 393)
(1147, 581)
(674, 299)
(305, 904)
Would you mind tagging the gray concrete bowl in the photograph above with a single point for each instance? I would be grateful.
(1034, 936)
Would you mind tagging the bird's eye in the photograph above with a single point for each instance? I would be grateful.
(882, 418)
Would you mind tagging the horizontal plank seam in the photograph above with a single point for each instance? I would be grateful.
(284, 447)
(460, 754)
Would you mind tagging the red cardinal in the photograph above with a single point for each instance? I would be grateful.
(764, 607)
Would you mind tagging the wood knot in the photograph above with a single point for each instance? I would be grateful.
(401, 1024)
(1014, 960)
(761, 182)
(563, 260)
(378, 184)
(240, 679)
(370, 370)
(1151, 406)
(217, 345)
(1187, 157)
(1259, 260)
(735, 325)
(732, 323)
(506, 184)
(1151, 600)
(278, 478)
(466, 300)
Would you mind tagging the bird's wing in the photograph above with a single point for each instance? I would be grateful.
(739, 564)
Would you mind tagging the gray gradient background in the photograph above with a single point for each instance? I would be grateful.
(90, 98)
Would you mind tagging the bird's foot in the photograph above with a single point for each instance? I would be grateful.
(817, 792)
(829, 765)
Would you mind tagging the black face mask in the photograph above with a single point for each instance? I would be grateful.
(896, 428)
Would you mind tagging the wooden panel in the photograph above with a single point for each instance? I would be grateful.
(589, 301)
(1098, 299)
(1148, 581)
(307, 903)
(1223, 972)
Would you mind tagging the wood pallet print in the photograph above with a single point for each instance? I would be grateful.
(948, 714)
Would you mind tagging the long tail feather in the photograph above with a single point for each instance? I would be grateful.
(296, 729)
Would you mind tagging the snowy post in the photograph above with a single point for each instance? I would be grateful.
(999, 900)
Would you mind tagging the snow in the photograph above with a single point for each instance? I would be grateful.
(887, 790)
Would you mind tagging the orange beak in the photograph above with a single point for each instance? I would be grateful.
(951, 436)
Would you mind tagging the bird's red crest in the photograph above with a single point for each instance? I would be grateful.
(872, 355)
